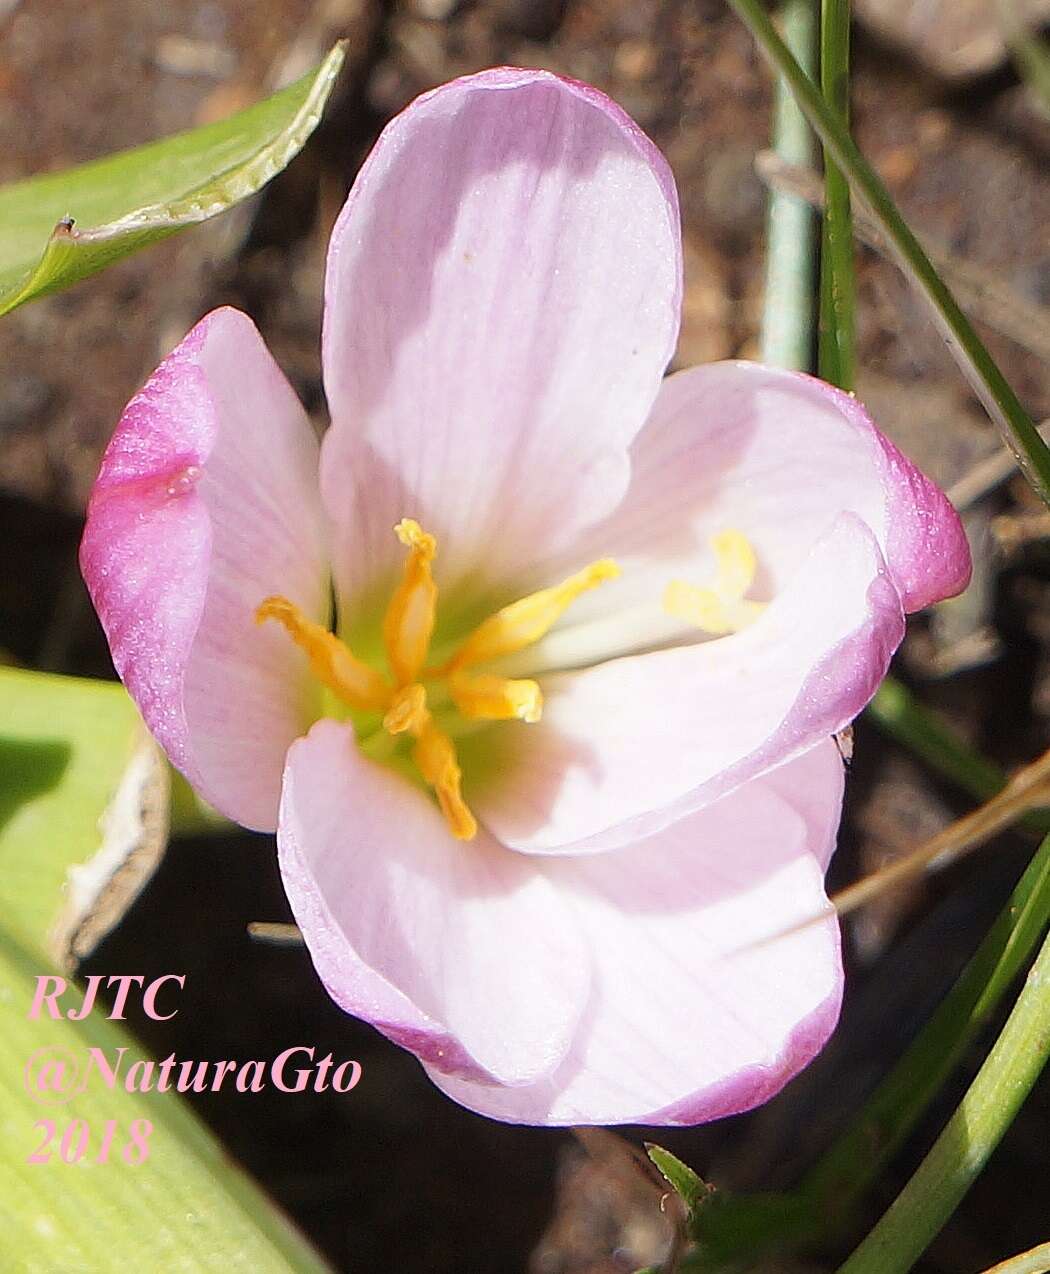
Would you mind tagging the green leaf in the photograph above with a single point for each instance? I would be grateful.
(59, 228)
(83, 809)
(186, 1210)
(688, 1185)
(83, 821)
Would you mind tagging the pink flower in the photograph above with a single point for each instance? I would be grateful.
(554, 852)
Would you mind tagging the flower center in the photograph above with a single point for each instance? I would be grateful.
(408, 626)
(722, 606)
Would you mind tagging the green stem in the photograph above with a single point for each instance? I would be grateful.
(1004, 1081)
(836, 355)
(988, 382)
(787, 319)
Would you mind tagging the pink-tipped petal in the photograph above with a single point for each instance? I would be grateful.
(461, 952)
(925, 545)
(779, 456)
(709, 989)
(630, 746)
(206, 503)
(502, 297)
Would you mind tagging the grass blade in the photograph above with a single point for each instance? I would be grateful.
(959, 1154)
(732, 1229)
(836, 355)
(978, 366)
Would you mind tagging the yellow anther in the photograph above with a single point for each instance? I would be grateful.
(722, 607)
(736, 562)
(435, 755)
(526, 621)
(408, 626)
(332, 662)
(701, 607)
(412, 536)
(409, 620)
(408, 712)
(486, 697)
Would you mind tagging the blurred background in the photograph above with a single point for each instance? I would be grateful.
(394, 1176)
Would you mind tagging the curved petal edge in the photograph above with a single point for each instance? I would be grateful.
(716, 957)
(926, 547)
(206, 503)
(468, 330)
(461, 953)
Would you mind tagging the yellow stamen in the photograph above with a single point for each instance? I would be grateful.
(332, 662)
(737, 564)
(721, 608)
(486, 697)
(409, 620)
(699, 606)
(526, 621)
(408, 711)
(408, 626)
(435, 755)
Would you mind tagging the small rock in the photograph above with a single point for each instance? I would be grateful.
(957, 39)
(634, 60)
(434, 10)
(180, 55)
